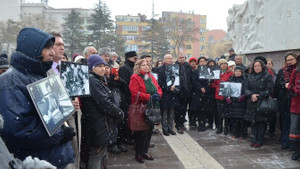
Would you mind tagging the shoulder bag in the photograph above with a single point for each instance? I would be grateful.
(136, 117)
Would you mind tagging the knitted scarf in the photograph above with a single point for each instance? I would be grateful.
(150, 87)
(287, 72)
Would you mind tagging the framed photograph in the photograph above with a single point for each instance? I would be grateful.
(172, 75)
(75, 78)
(51, 101)
(209, 72)
(230, 89)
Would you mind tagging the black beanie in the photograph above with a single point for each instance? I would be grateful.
(263, 59)
(239, 68)
(130, 54)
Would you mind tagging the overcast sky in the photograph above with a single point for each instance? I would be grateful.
(215, 10)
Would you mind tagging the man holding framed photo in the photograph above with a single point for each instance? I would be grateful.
(23, 131)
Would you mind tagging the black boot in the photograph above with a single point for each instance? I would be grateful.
(226, 130)
(219, 130)
(203, 127)
(296, 156)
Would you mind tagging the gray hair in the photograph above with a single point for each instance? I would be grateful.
(113, 54)
(86, 50)
(104, 51)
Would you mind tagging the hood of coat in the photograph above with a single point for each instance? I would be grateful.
(30, 44)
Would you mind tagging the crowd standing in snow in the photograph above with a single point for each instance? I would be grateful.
(104, 121)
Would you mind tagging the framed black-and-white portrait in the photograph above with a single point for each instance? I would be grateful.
(230, 89)
(172, 75)
(209, 72)
(75, 77)
(51, 101)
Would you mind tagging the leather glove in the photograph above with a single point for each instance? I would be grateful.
(155, 97)
(242, 98)
(228, 100)
(68, 134)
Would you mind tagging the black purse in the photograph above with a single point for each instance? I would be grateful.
(268, 106)
(152, 114)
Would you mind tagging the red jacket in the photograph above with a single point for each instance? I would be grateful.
(294, 87)
(137, 84)
(216, 84)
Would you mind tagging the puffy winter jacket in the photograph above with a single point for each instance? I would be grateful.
(23, 132)
(100, 114)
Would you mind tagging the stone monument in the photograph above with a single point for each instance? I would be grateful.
(265, 27)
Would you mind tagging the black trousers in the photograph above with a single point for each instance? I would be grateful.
(239, 127)
(220, 114)
(142, 141)
(180, 113)
(258, 130)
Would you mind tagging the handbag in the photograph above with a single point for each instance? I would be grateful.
(152, 114)
(268, 106)
(136, 117)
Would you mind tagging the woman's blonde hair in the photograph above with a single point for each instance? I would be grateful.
(137, 65)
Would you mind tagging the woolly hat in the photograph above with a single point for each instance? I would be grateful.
(3, 63)
(231, 63)
(231, 50)
(193, 59)
(222, 61)
(263, 59)
(239, 68)
(95, 60)
(130, 54)
(31, 41)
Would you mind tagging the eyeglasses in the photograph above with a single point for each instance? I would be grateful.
(290, 60)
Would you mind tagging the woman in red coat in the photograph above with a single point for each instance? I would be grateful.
(294, 87)
(220, 100)
(144, 84)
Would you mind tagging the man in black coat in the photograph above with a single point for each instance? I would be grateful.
(231, 55)
(125, 72)
(185, 72)
(169, 99)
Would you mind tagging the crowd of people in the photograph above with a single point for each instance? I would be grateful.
(100, 123)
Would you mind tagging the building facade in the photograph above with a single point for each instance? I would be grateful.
(131, 28)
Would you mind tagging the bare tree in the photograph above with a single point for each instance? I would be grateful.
(180, 31)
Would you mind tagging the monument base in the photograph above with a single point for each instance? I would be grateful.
(276, 56)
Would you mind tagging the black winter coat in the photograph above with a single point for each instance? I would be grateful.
(169, 98)
(185, 73)
(281, 93)
(261, 84)
(125, 73)
(199, 99)
(237, 107)
(100, 114)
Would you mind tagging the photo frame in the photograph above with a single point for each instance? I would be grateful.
(172, 75)
(230, 89)
(209, 72)
(75, 78)
(51, 101)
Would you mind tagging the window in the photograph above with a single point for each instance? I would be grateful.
(130, 28)
(130, 37)
(202, 30)
(144, 28)
(202, 47)
(131, 48)
(202, 21)
(202, 38)
(188, 47)
(210, 38)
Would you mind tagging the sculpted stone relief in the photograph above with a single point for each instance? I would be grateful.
(263, 25)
